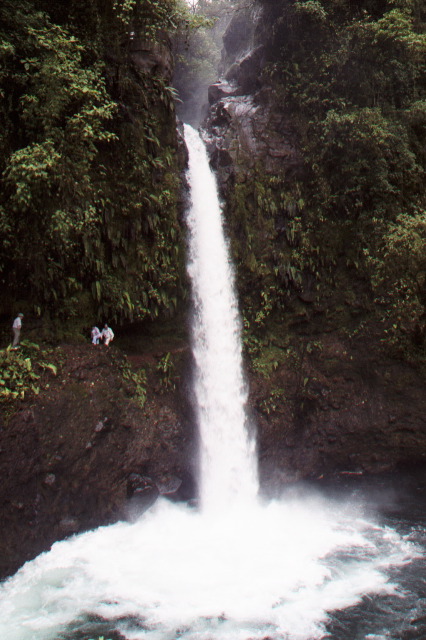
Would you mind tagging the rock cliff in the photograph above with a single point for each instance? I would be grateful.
(244, 128)
(327, 395)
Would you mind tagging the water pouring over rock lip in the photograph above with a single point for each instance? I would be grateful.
(236, 569)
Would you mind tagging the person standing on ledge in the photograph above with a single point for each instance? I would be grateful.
(16, 328)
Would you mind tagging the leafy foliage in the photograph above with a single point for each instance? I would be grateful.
(166, 369)
(351, 78)
(399, 268)
(22, 371)
(88, 171)
(138, 379)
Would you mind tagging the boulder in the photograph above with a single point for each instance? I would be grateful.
(220, 90)
(142, 492)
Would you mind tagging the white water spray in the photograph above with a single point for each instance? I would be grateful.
(228, 462)
(236, 570)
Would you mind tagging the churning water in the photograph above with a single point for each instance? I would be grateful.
(299, 568)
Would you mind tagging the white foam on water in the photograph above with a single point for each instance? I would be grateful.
(269, 570)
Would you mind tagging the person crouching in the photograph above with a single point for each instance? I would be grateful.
(107, 334)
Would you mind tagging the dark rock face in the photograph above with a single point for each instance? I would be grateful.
(246, 72)
(152, 57)
(348, 410)
(242, 128)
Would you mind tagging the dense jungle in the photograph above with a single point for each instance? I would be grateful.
(314, 114)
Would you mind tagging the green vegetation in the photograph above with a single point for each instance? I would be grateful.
(137, 378)
(23, 371)
(90, 170)
(267, 227)
(273, 403)
(89, 179)
(351, 79)
(166, 369)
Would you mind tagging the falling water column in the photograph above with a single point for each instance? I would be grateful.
(228, 466)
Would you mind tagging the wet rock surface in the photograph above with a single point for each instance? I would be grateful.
(242, 128)
(346, 410)
(142, 492)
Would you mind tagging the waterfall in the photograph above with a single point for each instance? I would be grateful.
(228, 457)
(304, 567)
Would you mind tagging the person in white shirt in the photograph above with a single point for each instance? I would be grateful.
(95, 334)
(107, 334)
(16, 328)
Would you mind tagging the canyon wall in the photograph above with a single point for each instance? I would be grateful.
(329, 394)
